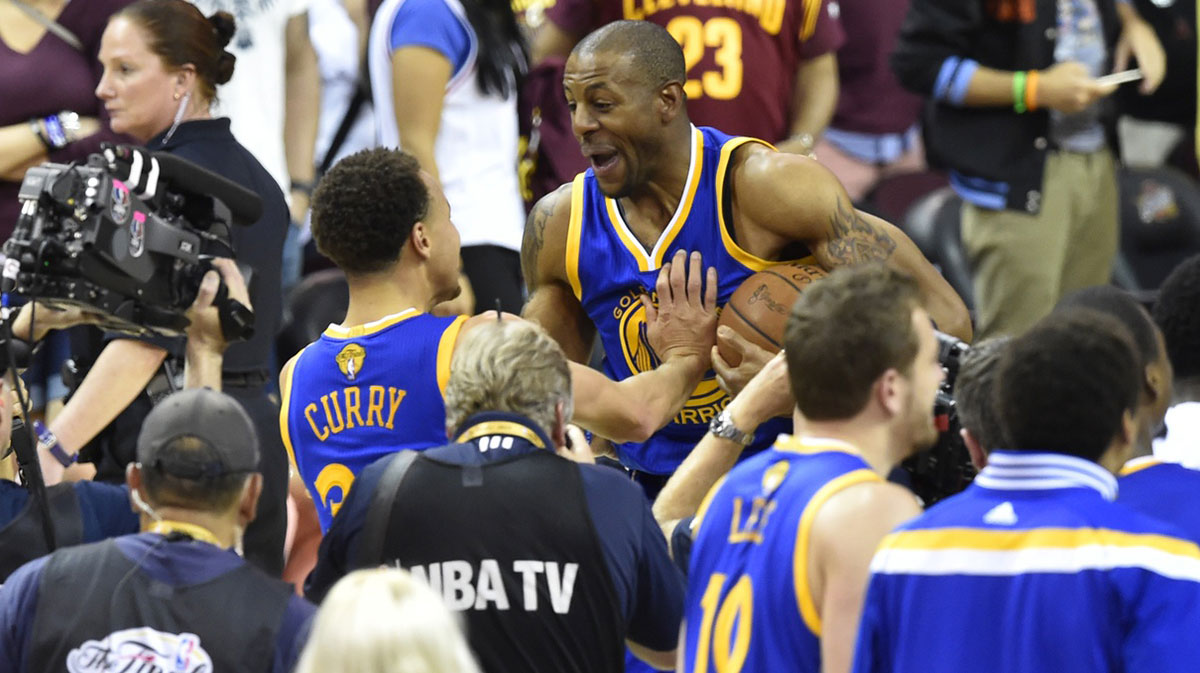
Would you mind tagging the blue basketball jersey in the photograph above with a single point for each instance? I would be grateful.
(608, 270)
(359, 393)
(1165, 491)
(749, 606)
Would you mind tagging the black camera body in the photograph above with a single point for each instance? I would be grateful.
(945, 468)
(106, 238)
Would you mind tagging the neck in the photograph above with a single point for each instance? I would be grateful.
(1186, 390)
(873, 441)
(663, 192)
(375, 296)
(222, 525)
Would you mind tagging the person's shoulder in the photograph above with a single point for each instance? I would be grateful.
(543, 247)
(772, 187)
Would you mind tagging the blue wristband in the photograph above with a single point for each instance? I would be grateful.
(48, 440)
(54, 129)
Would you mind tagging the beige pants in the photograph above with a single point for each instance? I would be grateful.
(1022, 264)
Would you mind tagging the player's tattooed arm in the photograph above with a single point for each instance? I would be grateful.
(854, 238)
(548, 208)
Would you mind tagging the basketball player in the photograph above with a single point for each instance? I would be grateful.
(374, 384)
(657, 184)
(783, 544)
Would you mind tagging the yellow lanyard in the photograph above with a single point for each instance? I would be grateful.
(166, 527)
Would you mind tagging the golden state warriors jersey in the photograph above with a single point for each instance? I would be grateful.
(618, 270)
(749, 606)
(359, 393)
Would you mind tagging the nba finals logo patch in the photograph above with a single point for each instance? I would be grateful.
(707, 399)
(350, 360)
(141, 649)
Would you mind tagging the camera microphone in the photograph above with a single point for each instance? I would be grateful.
(144, 171)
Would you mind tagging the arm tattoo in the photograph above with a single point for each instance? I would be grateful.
(535, 233)
(853, 239)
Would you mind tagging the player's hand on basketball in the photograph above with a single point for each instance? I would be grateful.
(684, 322)
(767, 395)
(733, 379)
(577, 448)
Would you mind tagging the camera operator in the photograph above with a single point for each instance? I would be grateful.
(163, 597)
(1034, 568)
(87, 511)
(555, 564)
(162, 63)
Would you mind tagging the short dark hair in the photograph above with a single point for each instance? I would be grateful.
(655, 54)
(1121, 305)
(1178, 316)
(210, 494)
(975, 392)
(844, 332)
(364, 209)
(179, 34)
(1065, 385)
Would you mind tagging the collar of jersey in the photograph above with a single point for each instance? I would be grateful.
(1038, 471)
(1138, 464)
(502, 424)
(341, 332)
(806, 444)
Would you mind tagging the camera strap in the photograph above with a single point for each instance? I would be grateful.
(62, 32)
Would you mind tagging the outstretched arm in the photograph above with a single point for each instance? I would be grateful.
(822, 216)
(681, 330)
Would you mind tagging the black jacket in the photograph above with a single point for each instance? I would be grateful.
(995, 148)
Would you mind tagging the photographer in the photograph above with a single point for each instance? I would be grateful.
(87, 511)
(162, 63)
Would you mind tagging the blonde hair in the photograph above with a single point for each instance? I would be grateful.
(385, 621)
(511, 366)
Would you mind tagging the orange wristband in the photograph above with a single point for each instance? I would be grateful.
(1031, 82)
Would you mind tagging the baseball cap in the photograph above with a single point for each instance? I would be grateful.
(226, 433)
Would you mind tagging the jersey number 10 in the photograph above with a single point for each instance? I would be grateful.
(717, 629)
(722, 34)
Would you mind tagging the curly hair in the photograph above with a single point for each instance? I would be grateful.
(1178, 315)
(1064, 385)
(364, 209)
(1121, 305)
(844, 332)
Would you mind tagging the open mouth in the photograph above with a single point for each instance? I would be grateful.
(603, 160)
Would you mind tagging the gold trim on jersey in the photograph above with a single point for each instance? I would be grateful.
(808, 607)
(1138, 464)
(812, 11)
(575, 235)
(341, 332)
(285, 393)
(804, 444)
(745, 258)
(649, 261)
(445, 352)
(501, 428)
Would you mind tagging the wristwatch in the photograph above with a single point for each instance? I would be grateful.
(722, 426)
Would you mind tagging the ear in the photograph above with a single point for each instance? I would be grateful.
(420, 241)
(1157, 383)
(974, 448)
(671, 100)
(558, 434)
(248, 506)
(185, 79)
(889, 392)
(133, 479)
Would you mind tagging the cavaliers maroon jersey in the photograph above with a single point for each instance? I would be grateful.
(741, 55)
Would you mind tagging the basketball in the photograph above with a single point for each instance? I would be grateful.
(758, 309)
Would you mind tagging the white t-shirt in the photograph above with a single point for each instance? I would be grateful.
(332, 33)
(254, 99)
(1182, 443)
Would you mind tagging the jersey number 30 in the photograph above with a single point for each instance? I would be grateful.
(725, 629)
(722, 34)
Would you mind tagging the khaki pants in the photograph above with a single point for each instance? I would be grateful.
(1022, 264)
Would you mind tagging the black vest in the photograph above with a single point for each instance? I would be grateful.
(511, 545)
(96, 607)
(22, 540)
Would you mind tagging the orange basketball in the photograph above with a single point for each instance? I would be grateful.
(758, 309)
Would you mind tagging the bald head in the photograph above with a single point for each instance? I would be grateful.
(652, 52)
